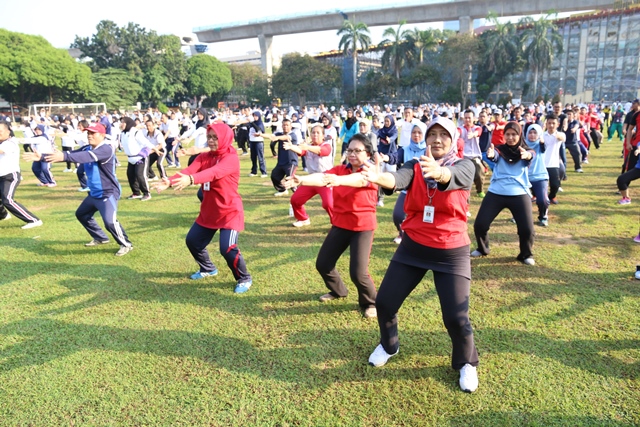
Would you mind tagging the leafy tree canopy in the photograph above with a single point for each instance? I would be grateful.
(115, 87)
(208, 77)
(304, 76)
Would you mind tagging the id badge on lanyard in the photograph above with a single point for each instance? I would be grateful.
(429, 210)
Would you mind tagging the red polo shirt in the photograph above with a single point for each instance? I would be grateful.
(354, 208)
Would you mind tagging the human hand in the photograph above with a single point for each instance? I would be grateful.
(291, 182)
(330, 180)
(31, 156)
(371, 171)
(524, 154)
(429, 166)
(57, 156)
(181, 182)
(161, 185)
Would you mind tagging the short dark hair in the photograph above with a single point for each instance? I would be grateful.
(468, 111)
(8, 126)
(286, 119)
(368, 145)
(551, 116)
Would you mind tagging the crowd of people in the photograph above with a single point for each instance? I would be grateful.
(431, 155)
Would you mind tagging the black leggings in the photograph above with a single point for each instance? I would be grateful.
(398, 211)
(520, 207)
(453, 291)
(625, 179)
(554, 182)
(574, 150)
(359, 244)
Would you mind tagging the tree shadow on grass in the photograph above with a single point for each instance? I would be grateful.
(524, 419)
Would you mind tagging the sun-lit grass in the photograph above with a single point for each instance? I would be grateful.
(87, 338)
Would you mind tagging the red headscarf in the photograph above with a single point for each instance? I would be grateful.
(225, 138)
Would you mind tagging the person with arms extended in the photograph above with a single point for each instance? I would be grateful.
(436, 239)
(353, 223)
(104, 189)
(218, 173)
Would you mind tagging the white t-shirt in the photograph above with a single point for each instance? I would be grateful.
(551, 151)
(405, 131)
(10, 159)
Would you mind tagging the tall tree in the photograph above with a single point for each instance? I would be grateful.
(302, 76)
(354, 34)
(208, 78)
(424, 41)
(397, 54)
(250, 84)
(460, 53)
(33, 70)
(541, 42)
(502, 51)
(115, 87)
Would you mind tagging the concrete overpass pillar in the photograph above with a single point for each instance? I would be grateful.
(265, 51)
(466, 24)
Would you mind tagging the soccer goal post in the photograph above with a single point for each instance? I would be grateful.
(86, 109)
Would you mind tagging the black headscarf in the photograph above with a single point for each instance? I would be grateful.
(328, 117)
(351, 120)
(204, 122)
(128, 124)
(511, 153)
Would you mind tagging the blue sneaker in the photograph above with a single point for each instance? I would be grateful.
(243, 287)
(202, 274)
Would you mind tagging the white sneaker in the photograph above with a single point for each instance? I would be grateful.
(281, 193)
(264, 175)
(379, 356)
(7, 217)
(397, 240)
(381, 203)
(529, 261)
(560, 190)
(468, 378)
(476, 254)
(370, 313)
(124, 250)
(29, 225)
(302, 223)
(67, 170)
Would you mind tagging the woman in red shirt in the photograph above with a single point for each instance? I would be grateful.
(353, 221)
(218, 173)
(436, 239)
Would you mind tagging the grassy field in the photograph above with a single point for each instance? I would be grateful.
(90, 339)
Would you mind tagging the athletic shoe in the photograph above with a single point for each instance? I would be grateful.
(96, 242)
(579, 171)
(529, 261)
(34, 224)
(134, 196)
(281, 193)
(51, 184)
(6, 217)
(379, 357)
(75, 170)
(624, 201)
(637, 275)
(242, 287)
(534, 199)
(124, 250)
(560, 190)
(327, 297)
(302, 223)
(553, 201)
(84, 190)
(370, 313)
(585, 162)
(40, 184)
(468, 214)
(202, 274)
(67, 170)
(398, 239)
(543, 223)
(264, 175)
(468, 378)
(244, 153)
(177, 165)
(476, 254)
(253, 174)
(635, 239)
(513, 220)
(380, 204)
(481, 194)
(145, 197)
(155, 178)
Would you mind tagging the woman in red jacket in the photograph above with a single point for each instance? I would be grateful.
(218, 173)
(436, 239)
(353, 221)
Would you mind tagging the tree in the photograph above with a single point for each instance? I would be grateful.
(156, 61)
(501, 53)
(541, 42)
(377, 86)
(33, 70)
(302, 76)
(250, 83)
(422, 77)
(354, 35)
(424, 41)
(115, 87)
(397, 54)
(208, 78)
(460, 53)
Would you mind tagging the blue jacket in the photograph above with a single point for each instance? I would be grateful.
(100, 167)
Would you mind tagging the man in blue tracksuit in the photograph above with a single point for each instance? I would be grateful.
(99, 161)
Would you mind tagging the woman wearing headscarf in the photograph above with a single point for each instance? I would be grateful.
(137, 149)
(538, 174)
(509, 189)
(414, 150)
(435, 238)
(217, 171)
(256, 145)
(199, 134)
(330, 132)
(349, 128)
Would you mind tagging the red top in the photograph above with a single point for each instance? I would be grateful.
(449, 227)
(354, 208)
(497, 138)
(636, 139)
(222, 205)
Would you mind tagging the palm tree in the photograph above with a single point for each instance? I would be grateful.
(398, 53)
(354, 34)
(541, 42)
(424, 41)
(502, 51)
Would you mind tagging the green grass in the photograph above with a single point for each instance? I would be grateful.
(87, 338)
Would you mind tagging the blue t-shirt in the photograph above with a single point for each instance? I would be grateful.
(510, 179)
(537, 168)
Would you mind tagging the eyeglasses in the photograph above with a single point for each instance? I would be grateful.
(212, 137)
(355, 151)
